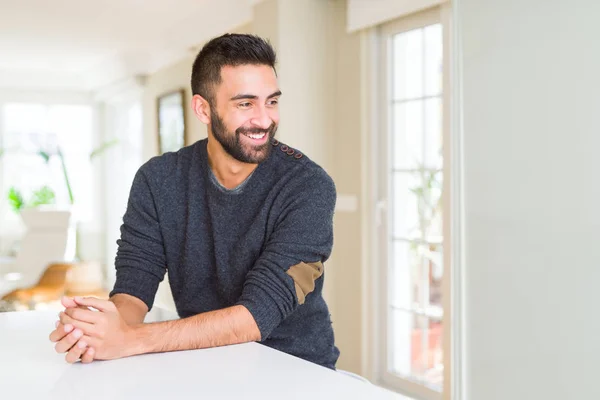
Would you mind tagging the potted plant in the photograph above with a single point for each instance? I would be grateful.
(39, 211)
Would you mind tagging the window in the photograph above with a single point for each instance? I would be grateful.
(411, 234)
(27, 129)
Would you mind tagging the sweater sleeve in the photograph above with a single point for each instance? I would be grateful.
(140, 260)
(292, 260)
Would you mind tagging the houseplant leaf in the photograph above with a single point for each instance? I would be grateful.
(44, 155)
(66, 176)
(42, 196)
(15, 199)
(102, 148)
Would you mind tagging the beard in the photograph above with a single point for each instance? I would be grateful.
(231, 143)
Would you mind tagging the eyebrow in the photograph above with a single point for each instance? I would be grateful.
(254, 97)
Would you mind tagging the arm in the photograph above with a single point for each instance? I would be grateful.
(231, 325)
(131, 309)
(112, 337)
(140, 262)
(292, 261)
(140, 265)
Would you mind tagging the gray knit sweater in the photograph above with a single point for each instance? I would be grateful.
(260, 245)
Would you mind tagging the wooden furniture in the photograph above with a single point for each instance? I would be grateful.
(49, 288)
(55, 282)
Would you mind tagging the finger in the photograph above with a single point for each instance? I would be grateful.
(68, 341)
(88, 356)
(76, 351)
(60, 332)
(86, 327)
(98, 304)
(83, 315)
(68, 302)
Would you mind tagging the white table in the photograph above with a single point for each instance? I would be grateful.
(30, 368)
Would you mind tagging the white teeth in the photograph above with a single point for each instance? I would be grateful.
(256, 136)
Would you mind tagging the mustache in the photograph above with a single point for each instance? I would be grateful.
(242, 130)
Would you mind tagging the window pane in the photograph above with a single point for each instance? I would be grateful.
(400, 338)
(24, 136)
(15, 166)
(415, 269)
(433, 60)
(72, 124)
(73, 127)
(416, 277)
(417, 348)
(407, 131)
(405, 275)
(429, 197)
(432, 258)
(407, 48)
(433, 133)
(417, 206)
(23, 118)
(33, 128)
(405, 210)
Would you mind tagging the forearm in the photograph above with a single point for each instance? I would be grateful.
(131, 309)
(228, 326)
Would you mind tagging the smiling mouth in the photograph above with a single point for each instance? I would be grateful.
(258, 138)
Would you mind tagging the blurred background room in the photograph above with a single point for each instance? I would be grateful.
(462, 137)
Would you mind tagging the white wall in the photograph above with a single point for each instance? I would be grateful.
(319, 75)
(173, 77)
(532, 197)
(363, 14)
(305, 71)
(344, 146)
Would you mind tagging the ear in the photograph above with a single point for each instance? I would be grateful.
(201, 108)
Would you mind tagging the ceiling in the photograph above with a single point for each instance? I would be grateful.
(85, 45)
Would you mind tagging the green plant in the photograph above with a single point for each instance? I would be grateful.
(102, 148)
(98, 151)
(46, 195)
(15, 199)
(42, 196)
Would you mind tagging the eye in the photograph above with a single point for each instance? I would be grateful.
(273, 102)
(244, 105)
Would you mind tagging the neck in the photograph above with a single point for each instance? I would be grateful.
(229, 172)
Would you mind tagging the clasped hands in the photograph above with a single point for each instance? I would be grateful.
(91, 329)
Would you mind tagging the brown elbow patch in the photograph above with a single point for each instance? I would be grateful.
(304, 276)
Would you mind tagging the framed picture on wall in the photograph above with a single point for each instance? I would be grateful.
(171, 121)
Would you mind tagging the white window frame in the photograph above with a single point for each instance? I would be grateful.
(376, 201)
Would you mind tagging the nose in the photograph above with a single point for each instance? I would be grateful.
(261, 118)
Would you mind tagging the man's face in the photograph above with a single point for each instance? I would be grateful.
(246, 114)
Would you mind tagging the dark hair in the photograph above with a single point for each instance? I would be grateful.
(230, 49)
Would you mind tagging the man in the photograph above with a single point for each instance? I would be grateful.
(240, 222)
